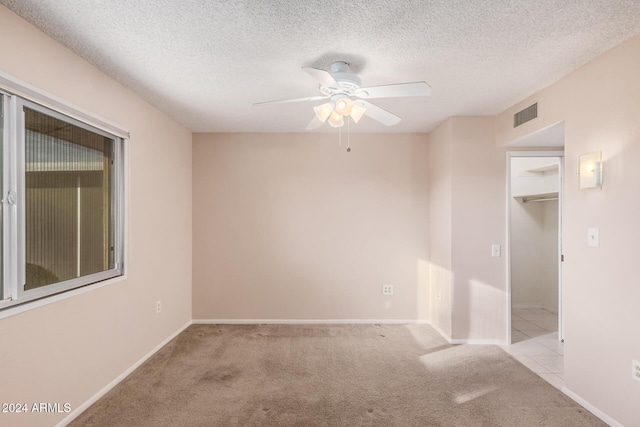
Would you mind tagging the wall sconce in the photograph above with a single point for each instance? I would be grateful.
(590, 170)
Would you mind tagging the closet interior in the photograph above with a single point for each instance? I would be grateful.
(535, 242)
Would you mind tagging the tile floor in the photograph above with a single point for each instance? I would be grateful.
(535, 344)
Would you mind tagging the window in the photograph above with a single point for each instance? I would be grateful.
(62, 202)
(1, 196)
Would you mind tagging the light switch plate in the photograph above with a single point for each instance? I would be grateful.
(495, 250)
(593, 237)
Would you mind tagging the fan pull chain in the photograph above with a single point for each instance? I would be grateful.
(348, 134)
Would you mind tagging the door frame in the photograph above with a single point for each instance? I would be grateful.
(511, 155)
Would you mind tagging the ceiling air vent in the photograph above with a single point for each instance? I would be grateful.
(525, 115)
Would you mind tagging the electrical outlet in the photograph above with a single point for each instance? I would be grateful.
(635, 370)
(387, 289)
(158, 306)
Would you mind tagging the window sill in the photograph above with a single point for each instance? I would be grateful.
(12, 310)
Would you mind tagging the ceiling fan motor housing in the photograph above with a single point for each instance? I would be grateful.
(349, 82)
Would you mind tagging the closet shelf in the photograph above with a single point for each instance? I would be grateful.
(537, 197)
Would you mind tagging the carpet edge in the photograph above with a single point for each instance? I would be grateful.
(93, 399)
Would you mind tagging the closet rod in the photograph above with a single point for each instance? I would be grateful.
(538, 199)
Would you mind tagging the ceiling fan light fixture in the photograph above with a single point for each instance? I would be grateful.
(323, 111)
(357, 112)
(336, 120)
(343, 106)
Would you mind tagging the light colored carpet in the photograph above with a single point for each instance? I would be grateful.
(331, 375)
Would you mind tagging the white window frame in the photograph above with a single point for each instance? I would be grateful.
(16, 95)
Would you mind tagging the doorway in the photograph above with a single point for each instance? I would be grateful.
(534, 203)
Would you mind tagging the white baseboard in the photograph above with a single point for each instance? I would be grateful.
(441, 332)
(588, 406)
(460, 341)
(80, 409)
(306, 321)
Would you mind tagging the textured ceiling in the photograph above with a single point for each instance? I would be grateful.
(206, 62)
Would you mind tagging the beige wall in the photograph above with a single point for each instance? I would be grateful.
(291, 226)
(69, 350)
(534, 254)
(600, 104)
(467, 196)
(478, 217)
(440, 272)
(550, 256)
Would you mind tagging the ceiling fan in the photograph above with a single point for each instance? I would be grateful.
(347, 99)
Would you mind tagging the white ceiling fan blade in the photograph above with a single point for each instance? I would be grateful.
(394, 91)
(285, 101)
(379, 114)
(314, 124)
(324, 77)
